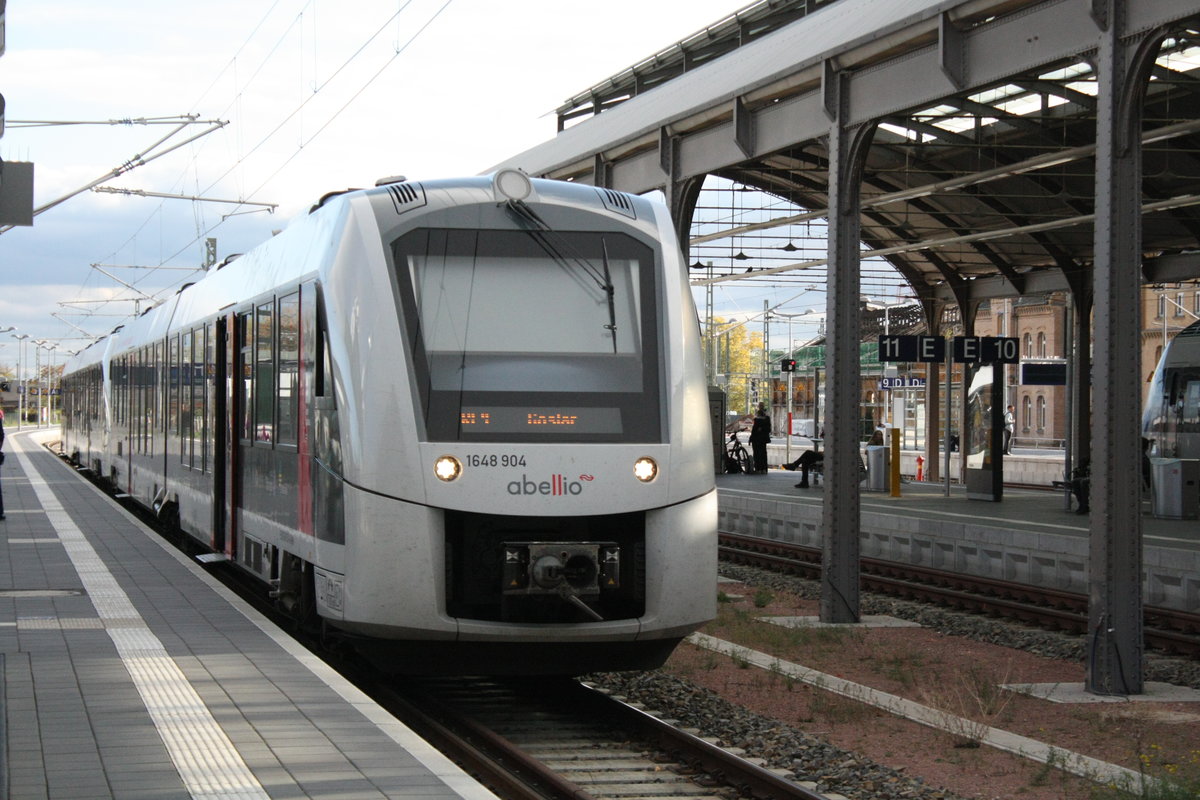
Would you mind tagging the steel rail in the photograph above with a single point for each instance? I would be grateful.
(1166, 629)
(582, 702)
(489, 757)
(749, 778)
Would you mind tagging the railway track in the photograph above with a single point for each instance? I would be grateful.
(1165, 629)
(547, 738)
(562, 740)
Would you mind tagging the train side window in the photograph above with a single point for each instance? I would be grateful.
(207, 387)
(147, 399)
(127, 383)
(289, 368)
(197, 408)
(158, 375)
(132, 362)
(1191, 406)
(322, 381)
(118, 368)
(187, 400)
(114, 377)
(264, 373)
(246, 343)
(144, 400)
(135, 379)
(117, 399)
(175, 370)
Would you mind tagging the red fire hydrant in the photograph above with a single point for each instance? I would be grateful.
(920, 468)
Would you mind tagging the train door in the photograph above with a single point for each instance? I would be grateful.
(222, 419)
(237, 357)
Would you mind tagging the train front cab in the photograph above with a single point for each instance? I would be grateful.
(482, 563)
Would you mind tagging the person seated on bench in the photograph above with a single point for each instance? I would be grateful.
(805, 463)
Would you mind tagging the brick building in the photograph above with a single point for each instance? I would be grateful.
(1040, 323)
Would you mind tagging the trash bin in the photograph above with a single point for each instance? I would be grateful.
(1176, 485)
(878, 467)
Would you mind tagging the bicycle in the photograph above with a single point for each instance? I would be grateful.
(737, 460)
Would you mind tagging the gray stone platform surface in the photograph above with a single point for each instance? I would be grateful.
(130, 673)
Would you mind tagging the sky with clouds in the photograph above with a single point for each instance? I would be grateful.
(318, 95)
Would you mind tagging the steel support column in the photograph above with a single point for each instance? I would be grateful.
(967, 312)
(840, 594)
(933, 395)
(933, 421)
(681, 194)
(1080, 396)
(1114, 660)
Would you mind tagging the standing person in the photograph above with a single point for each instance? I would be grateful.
(1, 462)
(760, 434)
(1010, 424)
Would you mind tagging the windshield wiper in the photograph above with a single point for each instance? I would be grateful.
(610, 290)
(543, 234)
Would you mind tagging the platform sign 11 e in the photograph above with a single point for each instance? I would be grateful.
(920, 349)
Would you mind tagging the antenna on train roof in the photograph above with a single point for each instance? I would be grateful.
(329, 195)
(392, 179)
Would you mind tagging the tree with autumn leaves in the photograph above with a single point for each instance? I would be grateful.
(739, 358)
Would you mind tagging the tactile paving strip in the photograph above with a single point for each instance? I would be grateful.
(208, 763)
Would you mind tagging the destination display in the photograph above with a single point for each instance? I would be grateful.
(540, 419)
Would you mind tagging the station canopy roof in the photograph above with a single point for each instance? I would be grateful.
(995, 182)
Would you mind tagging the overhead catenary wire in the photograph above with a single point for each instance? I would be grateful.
(140, 159)
(398, 51)
(206, 230)
(362, 89)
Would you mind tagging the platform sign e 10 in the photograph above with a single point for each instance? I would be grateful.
(920, 349)
(986, 350)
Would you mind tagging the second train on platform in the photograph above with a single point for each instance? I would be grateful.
(1171, 422)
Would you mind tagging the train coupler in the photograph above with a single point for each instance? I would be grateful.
(543, 568)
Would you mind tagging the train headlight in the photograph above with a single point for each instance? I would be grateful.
(447, 468)
(645, 469)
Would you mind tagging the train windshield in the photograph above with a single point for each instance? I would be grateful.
(532, 335)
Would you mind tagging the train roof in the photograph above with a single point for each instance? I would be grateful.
(1184, 348)
(298, 250)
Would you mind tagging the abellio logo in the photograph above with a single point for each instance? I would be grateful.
(557, 486)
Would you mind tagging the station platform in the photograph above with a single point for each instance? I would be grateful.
(130, 673)
(1032, 536)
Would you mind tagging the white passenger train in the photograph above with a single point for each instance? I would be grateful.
(461, 421)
